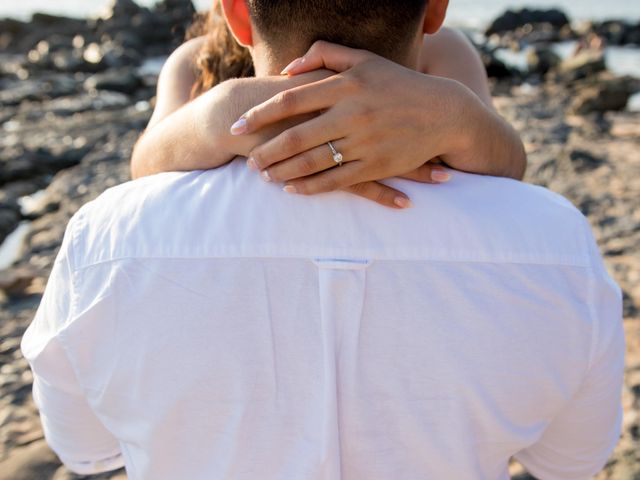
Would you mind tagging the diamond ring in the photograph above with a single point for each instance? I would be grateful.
(337, 156)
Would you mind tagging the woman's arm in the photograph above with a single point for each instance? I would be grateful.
(186, 134)
(388, 120)
(450, 54)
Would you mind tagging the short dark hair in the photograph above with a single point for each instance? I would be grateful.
(384, 27)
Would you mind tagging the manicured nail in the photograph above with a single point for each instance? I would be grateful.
(292, 65)
(239, 127)
(251, 163)
(290, 189)
(402, 202)
(440, 176)
(265, 175)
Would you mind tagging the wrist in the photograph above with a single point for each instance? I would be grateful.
(478, 141)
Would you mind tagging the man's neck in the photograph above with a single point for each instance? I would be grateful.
(267, 63)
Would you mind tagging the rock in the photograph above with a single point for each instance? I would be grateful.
(495, 67)
(9, 220)
(583, 161)
(41, 89)
(19, 163)
(94, 100)
(35, 461)
(513, 19)
(541, 59)
(120, 8)
(10, 31)
(606, 95)
(616, 32)
(583, 65)
(116, 56)
(44, 26)
(123, 80)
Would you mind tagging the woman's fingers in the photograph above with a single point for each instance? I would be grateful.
(380, 193)
(289, 103)
(307, 163)
(327, 55)
(295, 140)
(329, 180)
(428, 173)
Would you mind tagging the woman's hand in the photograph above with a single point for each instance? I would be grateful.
(385, 120)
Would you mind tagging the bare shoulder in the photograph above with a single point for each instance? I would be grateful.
(450, 54)
(440, 47)
(176, 79)
(183, 57)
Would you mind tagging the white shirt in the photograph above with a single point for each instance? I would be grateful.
(209, 326)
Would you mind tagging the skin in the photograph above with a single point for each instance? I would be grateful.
(286, 138)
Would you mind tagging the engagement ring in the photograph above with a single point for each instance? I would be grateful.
(337, 156)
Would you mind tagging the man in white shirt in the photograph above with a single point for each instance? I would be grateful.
(206, 325)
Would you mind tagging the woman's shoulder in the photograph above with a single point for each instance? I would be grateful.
(185, 54)
(442, 46)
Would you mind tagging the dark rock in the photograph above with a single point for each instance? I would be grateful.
(496, 68)
(43, 27)
(616, 32)
(583, 161)
(9, 215)
(18, 163)
(541, 59)
(10, 31)
(41, 89)
(513, 19)
(69, 61)
(602, 96)
(116, 56)
(121, 8)
(122, 80)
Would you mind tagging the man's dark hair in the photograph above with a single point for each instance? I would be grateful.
(384, 27)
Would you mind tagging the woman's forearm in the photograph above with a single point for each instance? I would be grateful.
(488, 144)
(196, 136)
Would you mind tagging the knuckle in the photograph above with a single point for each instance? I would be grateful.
(366, 114)
(361, 189)
(318, 46)
(309, 164)
(383, 196)
(327, 185)
(358, 81)
(287, 101)
(292, 139)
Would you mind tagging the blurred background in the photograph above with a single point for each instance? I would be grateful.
(77, 81)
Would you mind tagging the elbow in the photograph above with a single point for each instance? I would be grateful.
(136, 165)
(520, 164)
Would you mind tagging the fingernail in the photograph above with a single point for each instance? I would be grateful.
(440, 176)
(292, 65)
(239, 127)
(251, 163)
(402, 202)
(265, 175)
(290, 189)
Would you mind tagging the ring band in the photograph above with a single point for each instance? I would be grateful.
(337, 156)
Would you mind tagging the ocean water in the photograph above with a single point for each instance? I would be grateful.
(467, 13)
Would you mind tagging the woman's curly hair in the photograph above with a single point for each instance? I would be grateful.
(221, 57)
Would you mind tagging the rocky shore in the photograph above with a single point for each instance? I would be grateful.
(75, 95)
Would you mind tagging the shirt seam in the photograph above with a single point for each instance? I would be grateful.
(311, 258)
